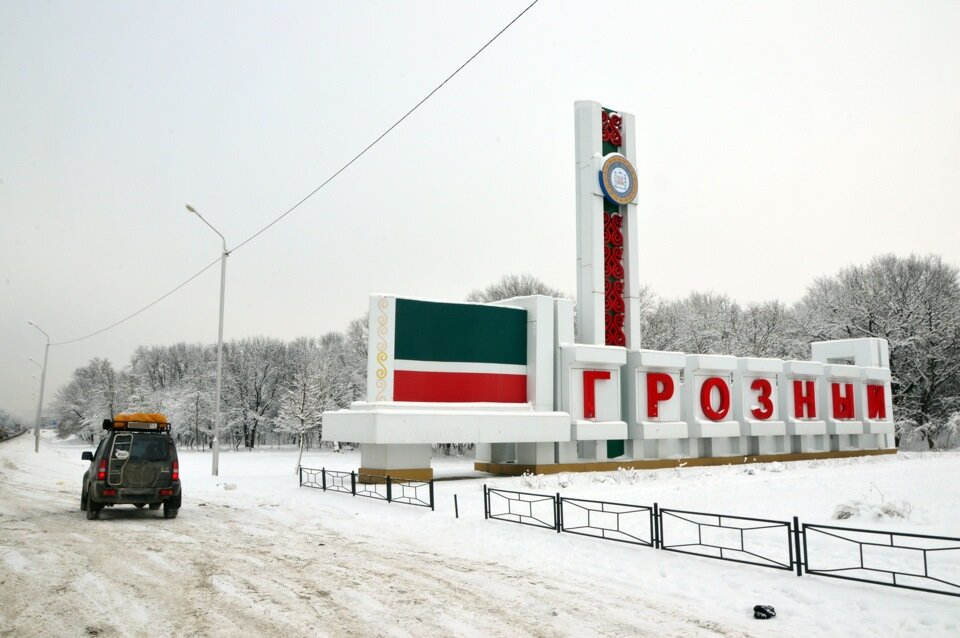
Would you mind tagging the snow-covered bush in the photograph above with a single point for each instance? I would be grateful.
(870, 507)
(876, 511)
(532, 481)
(628, 476)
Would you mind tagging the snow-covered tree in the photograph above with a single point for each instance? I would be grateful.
(912, 302)
(8, 425)
(253, 377)
(702, 323)
(514, 286)
(315, 383)
(91, 396)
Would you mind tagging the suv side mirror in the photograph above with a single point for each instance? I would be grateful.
(107, 424)
(87, 456)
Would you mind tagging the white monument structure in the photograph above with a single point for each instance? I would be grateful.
(535, 392)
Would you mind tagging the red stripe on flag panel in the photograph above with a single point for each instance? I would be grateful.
(459, 387)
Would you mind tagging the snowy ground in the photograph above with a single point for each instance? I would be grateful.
(268, 558)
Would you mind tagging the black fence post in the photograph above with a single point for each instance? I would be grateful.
(558, 513)
(655, 527)
(456, 508)
(486, 503)
(660, 527)
(323, 478)
(300, 468)
(796, 545)
(389, 490)
(353, 483)
(431, 495)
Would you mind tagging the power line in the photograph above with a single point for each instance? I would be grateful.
(147, 307)
(315, 190)
(386, 132)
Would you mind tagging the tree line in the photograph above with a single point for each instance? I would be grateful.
(271, 390)
(275, 390)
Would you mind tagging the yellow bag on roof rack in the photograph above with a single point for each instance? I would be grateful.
(140, 421)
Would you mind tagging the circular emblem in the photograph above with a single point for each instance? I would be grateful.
(618, 179)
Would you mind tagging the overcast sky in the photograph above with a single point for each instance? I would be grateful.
(777, 142)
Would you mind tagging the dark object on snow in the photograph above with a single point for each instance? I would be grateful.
(763, 612)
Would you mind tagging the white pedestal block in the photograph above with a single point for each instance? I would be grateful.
(757, 405)
(809, 443)
(653, 405)
(769, 445)
(408, 422)
(482, 453)
(535, 453)
(708, 404)
(799, 392)
(841, 384)
(395, 457)
(567, 452)
(503, 452)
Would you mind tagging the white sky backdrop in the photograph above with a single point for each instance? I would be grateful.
(777, 142)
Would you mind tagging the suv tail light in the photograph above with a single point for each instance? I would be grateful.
(102, 471)
(176, 471)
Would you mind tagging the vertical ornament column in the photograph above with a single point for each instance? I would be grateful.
(608, 278)
(613, 273)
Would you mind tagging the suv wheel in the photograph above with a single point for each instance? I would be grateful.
(93, 510)
(169, 511)
(83, 501)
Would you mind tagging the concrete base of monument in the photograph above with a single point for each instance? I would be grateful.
(762, 445)
(808, 436)
(809, 443)
(396, 461)
(399, 423)
(517, 469)
(374, 475)
(395, 437)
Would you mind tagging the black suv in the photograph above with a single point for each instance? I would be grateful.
(135, 464)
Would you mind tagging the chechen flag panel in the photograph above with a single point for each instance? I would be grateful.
(446, 352)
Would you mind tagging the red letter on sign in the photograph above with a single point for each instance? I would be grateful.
(589, 395)
(876, 402)
(705, 405)
(842, 404)
(765, 388)
(804, 405)
(659, 388)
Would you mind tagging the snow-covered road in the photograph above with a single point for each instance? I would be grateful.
(267, 558)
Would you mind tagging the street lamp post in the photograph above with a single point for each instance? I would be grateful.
(215, 470)
(43, 380)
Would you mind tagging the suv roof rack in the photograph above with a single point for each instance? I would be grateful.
(137, 421)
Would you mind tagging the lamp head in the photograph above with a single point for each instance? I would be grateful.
(192, 209)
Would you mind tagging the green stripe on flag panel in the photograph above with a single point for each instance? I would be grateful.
(432, 331)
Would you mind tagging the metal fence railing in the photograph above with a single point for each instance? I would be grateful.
(911, 561)
(611, 521)
(738, 539)
(536, 510)
(384, 488)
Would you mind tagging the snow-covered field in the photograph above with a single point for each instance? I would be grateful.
(253, 554)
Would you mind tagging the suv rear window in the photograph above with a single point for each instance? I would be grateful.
(141, 447)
